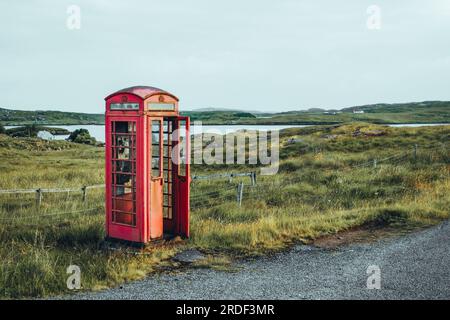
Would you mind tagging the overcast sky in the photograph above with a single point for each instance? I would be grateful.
(255, 55)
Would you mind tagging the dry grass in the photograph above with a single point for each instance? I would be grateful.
(319, 190)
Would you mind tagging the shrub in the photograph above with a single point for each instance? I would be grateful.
(81, 136)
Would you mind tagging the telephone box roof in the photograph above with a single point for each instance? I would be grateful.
(142, 91)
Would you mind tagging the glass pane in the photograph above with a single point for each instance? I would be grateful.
(123, 166)
(124, 106)
(124, 153)
(156, 156)
(166, 212)
(121, 190)
(155, 151)
(166, 125)
(168, 200)
(124, 171)
(124, 180)
(123, 141)
(182, 148)
(155, 166)
(167, 188)
(167, 176)
(155, 137)
(121, 127)
(161, 106)
(124, 218)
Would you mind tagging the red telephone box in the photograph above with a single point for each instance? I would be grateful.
(147, 166)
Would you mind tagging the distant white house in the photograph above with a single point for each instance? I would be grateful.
(358, 111)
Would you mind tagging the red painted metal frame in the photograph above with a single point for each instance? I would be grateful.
(169, 222)
(135, 233)
(182, 184)
(148, 227)
(155, 223)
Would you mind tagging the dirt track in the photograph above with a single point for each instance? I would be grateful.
(415, 266)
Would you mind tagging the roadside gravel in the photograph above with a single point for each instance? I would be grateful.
(415, 266)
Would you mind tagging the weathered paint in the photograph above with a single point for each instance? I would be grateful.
(150, 224)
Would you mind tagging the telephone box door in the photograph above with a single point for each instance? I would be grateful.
(156, 179)
(183, 175)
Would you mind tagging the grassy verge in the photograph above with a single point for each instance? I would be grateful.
(326, 183)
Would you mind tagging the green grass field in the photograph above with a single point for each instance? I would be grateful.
(326, 183)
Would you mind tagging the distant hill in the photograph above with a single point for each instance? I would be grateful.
(425, 106)
(19, 117)
(33, 130)
(382, 113)
(217, 109)
(219, 117)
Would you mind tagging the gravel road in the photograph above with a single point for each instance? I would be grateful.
(415, 266)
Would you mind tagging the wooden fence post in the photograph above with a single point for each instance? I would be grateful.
(237, 194)
(253, 177)
(84, 189)
(415, 153)
(240, 190)
(38, 197)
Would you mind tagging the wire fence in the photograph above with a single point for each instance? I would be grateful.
(34, 220)
(257, 191)
(232, 191)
